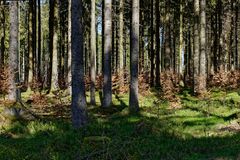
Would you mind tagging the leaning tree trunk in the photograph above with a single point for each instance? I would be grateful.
(93, 52)
(107, 84)
(133, 100)
(79, 113)
(14, 91)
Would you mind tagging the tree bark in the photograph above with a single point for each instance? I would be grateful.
(181, 48)
(133, 100)
(69, 73)
(14, 91)
(121, 25)
(203, 69)
(79, 113)
(54, 54)
(157, 44)
(93, 53)
(152, 45)
(107, 84)
(39, 42)
(196, 44)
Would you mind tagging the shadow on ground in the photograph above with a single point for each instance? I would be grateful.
(114, 134)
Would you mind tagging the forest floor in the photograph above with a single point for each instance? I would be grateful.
(194, 129)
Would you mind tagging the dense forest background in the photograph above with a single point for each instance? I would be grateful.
(134, 64)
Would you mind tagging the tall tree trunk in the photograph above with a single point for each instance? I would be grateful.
(30, 46)
(236, 36)
(152, 45)
(181, 48)
(107, 86)
(14, 91)
(79, 113)
(54, 76)
(203, 69)
(3, 35)
(103, 41)
(93, 52)
(168, 53)
(121, 25)
(97, 50)
(69, 73)
(157, 44)
(34, 39)
(39, 42)
(113, 37)
(133, 100)
(225, 36)
(196, 44)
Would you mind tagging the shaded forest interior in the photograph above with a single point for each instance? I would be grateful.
(120, 79)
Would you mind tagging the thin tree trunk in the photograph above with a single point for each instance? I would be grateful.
(69, 74)
(181, 48)
(196, 44)
(152, 45)
(30, 46)
(236, 37)
(3, 35)
(54, 76)
(203, 59)
(93, 52)
(39, 41)
(157, 44)
(120, 44)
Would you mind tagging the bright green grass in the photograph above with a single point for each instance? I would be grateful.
(157, 132)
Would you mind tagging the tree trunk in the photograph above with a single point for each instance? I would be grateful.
(34, 40)
(196, 44)
(120, 44)
(14, 91)
(39, 42)
(203, 69)
(152, 45)
(54, 76)
(69, 74)
(133, 100)
(107, 84)
(3, 34)
(93, 52)
(236, 37)
(181, 48)
(79, 113)
(157, 44)
(168, 53)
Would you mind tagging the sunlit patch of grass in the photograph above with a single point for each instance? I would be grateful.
(157, 132)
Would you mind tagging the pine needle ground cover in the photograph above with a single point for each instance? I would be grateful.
(200, 129)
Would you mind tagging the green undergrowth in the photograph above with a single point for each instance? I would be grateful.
(157, 132)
